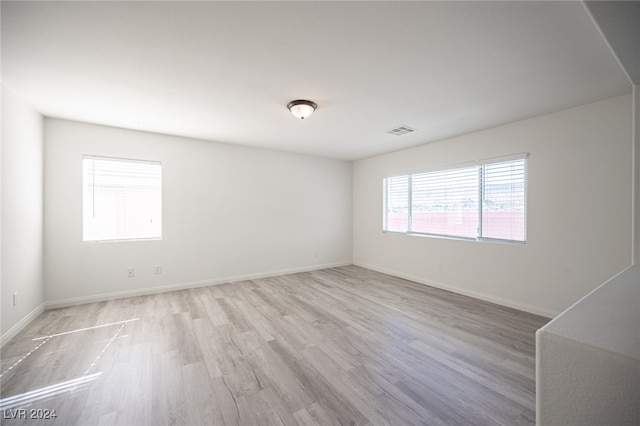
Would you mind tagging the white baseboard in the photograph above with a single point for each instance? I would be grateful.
(476, 295)
(6, 337)
(62, 303)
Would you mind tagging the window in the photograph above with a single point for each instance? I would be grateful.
(397, 204)
(483, 201)
(122, 199)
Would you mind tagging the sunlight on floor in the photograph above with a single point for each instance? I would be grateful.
(85, 329)
(47, 392)
(67, 386)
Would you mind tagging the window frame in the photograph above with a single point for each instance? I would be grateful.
(157, 237)
(480, 166)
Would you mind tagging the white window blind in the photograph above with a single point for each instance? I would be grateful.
(445, 202)
(122, 199)
(504, 200)
(483, 201)
(397, 205)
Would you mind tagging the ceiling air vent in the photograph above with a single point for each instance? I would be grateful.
(401, 130)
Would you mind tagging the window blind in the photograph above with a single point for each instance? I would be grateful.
(397, 204)
(445, 202)
(483, 201)
(503, 200)
(122, 199)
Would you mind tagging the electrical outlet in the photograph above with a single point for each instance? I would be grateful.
(131, 273)
(157, 269)
(15, 299)
(439, 266)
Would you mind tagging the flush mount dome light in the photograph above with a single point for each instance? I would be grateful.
(301, 108)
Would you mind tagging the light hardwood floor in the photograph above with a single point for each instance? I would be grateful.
(340, 346)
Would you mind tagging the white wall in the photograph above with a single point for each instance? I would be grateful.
(588, 358)
(22, 235)
(579, 211)
(229, 213)
(636, 189)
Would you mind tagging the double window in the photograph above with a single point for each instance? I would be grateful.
(485, 200)
(122, 199)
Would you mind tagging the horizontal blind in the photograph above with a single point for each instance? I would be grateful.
(122, 199)
(483, 200)
(445, 202)
(396, 218)
(504, 200)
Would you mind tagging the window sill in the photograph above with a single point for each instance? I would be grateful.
(451, 237)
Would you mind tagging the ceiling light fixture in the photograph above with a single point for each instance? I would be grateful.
(301, 108)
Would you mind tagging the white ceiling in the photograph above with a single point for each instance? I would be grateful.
(225, 71)
(619, 22)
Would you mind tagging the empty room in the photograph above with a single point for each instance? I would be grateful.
(320, 213)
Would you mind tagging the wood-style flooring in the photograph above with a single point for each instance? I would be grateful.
(340, 346)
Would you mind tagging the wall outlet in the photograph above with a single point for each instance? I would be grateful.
(439, 266)
(15, 299)
(157, 269)
(131, 273)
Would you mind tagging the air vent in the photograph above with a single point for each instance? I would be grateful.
(401, 130)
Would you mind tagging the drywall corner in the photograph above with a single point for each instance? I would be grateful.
(22, 213)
